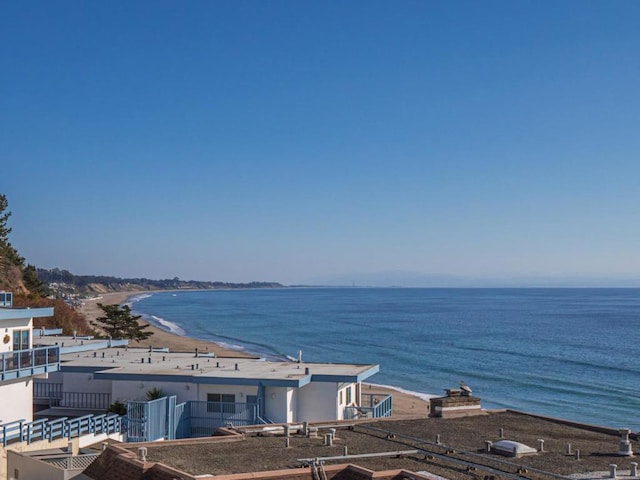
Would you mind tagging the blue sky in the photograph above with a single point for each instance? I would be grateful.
(314, 141)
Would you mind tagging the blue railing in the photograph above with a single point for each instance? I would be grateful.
(373, 406)
(205, 417)
(24, 363)
(147, 421)
(21, 431)
(83, 400)
(47, 332)
(46, 390)
(162, 418)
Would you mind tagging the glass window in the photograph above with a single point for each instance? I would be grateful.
(21, 339)
(221, 402)
(349, 396)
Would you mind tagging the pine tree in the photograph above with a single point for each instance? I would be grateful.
(119, 322)
(7, 252)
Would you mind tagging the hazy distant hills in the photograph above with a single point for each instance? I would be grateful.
(63, 282)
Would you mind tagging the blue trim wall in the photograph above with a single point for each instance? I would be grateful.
(19, 313)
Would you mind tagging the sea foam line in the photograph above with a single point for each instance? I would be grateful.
(423, 396)
(170, 326)
(136, 298)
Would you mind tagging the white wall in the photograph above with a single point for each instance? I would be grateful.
(7, 327)
(32, 447)
(279, 403)
(137, 390)
(82, 382)
(123, 390)
(318, 401)
(129, 390)
(17, 400)
(240, 391)
(32, 468)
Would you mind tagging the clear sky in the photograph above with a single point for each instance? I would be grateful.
(300, 141)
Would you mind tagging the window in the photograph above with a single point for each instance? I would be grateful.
(340, 397)
(348, 395)
(6, 299)
(221, 402)
(21, 339)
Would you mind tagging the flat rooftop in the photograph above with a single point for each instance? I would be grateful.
(133, 363)
(460, 454)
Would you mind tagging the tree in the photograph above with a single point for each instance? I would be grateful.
(32, 282)
(154, 394)
(7, 252)
(119, 322)
(118, 408)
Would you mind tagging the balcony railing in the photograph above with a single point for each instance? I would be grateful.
(44, 429)
(82, 400)
(25, 363)
(373, 406)
(46, 390)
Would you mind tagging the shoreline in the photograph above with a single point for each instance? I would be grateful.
(406, 404)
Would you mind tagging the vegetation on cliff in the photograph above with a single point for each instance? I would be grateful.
(28, 291)
(38, 287)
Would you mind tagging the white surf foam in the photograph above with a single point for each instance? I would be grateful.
(172, 327)
(423, 396)
(136, 298)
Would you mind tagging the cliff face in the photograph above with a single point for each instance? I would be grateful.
(11, 280)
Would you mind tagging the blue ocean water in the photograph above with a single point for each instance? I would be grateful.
(569, 353)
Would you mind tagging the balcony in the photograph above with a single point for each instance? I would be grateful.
(26, 363)
(373, 406)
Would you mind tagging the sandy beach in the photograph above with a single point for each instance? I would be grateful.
(405, 405)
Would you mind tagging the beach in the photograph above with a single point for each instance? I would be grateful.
(405, 405)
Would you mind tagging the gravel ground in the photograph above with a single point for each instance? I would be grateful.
(462, 438)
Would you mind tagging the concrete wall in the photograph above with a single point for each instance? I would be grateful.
(347, 396)
(318, 401)
(17, 400)
(240, 391)
(133, 390)
(34, 446)
(137, 390)
(82, 382)
(22, 466)
(279, 402)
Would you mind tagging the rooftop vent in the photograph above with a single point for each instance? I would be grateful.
(510, 448)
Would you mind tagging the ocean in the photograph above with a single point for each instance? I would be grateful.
(567, 353)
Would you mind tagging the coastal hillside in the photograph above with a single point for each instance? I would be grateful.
(38, 287)
(20, 278)
(64, 284)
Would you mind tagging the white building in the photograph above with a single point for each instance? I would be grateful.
(20, 362)
(282, 392)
